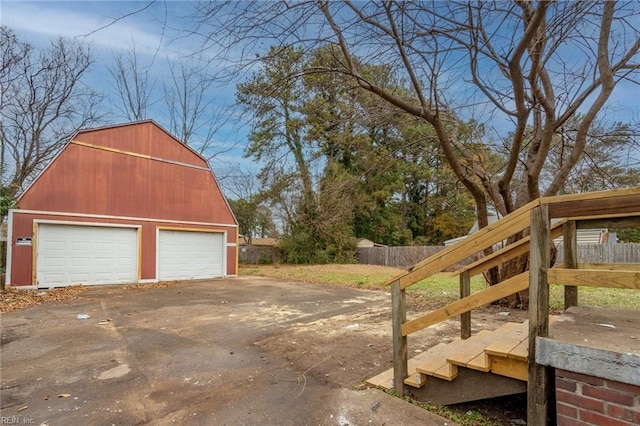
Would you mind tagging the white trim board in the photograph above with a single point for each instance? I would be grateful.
(76, 223)
(7, 275)
(133, 218)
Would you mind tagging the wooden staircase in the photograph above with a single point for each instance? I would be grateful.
(503, 355)
(492, 355)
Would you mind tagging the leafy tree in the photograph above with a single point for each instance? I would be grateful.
(369, 154)
(254, 220)
(388, 153)
(278, 140)
(628, 235)
(277, 137)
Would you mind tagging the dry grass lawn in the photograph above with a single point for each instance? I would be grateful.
(361, 276)
(439, 289)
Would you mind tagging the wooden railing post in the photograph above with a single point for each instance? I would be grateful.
(465, 319)
(570, 248)
(399, 317)
(539, 386)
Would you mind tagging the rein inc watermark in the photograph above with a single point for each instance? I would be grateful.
(16, 420)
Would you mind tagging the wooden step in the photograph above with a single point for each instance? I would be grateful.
(385, 379)
(471, 352)
(436, 364)
(508, 337)
(473, 349)
(502, 352)
(382, 380)
(509, 354)
(499, 352)
(509, 367)
(416, 378)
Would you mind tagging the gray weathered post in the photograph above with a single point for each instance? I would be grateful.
(539, 385)
(570, 248)
(465, 319)
(399, 317)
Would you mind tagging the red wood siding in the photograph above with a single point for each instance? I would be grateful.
(21, 256)
(143, 138)
(90, 180)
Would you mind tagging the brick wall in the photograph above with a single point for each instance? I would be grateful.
(589, 400)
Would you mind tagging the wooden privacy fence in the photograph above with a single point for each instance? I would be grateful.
(395, 256)
(250, 255)
(604, 253)
(403, 257)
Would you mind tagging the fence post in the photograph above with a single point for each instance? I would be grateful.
(570, 248)
(465, 319)
(539, 385)
(399, 317)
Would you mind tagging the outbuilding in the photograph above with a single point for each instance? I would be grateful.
(121, 204)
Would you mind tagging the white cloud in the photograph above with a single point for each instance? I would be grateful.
(82, 19)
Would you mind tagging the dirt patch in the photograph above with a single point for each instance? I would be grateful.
(346, 350)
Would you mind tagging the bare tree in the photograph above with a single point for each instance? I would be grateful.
(525, 68)
(43, 103)
(133, 85)
(195, 115)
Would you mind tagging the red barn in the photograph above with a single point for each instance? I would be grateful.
(121, 204)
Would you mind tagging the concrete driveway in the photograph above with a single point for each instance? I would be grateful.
(184, 354)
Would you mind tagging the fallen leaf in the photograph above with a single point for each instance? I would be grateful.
(12, 299)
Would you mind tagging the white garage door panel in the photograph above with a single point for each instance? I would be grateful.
(77, 254)
(184, 255)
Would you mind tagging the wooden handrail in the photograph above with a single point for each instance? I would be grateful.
(612, 203)
(507, 253)
(483, 297)
(595, 278)
(479, 241)
(604, 197)
(610, 266)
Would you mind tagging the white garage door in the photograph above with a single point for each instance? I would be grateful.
(187, 255)
(78, 254)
